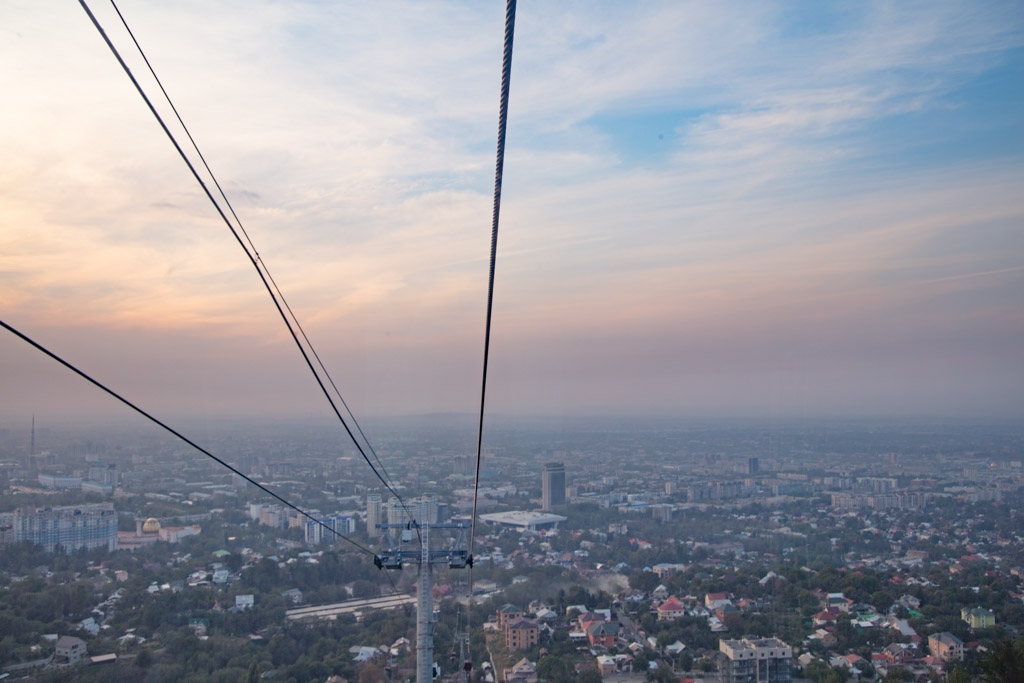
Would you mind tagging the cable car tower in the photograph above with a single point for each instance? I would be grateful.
(396, 556)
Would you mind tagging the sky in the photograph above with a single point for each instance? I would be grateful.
(772, 209)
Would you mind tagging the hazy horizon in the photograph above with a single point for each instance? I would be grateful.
(714, 210)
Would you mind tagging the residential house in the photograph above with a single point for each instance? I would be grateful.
(896, 653)
(70, 650)
(829, 615)
(725, 610)
(978, 617)
(909, 601)
(606, 664)
(537, 606)
(715, 600)
(521, 634)
(837, 600)
(605, 634)
(671, 609)
(523, 671)
(507, 613)
(946, 647)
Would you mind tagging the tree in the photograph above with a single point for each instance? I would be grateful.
(959, 675)
(734, 622)
(838, 674)
(144, 659)
(554, 669)
(816, 670)
(365, 589)
(1004, 662)
(589, 676)
(662, 674)
(644, 581)
(707, 665)
(371, 673)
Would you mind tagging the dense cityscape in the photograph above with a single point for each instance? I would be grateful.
(605, 549)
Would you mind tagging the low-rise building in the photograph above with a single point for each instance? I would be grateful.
(946, 647)
(521, 634)
(508, 613)
(760, 660)
(523, 671)
(70, 650)
(69, 528)
(671, 609)
(605, 634)
(978, 617)
(716, 600)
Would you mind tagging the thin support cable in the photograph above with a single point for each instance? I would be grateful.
(499, 166)
(248, 239)
(506, 75)
(238, 238)
(179, 435)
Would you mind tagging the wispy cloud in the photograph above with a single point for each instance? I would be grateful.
(357, 144)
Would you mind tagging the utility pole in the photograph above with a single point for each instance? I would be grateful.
(456, 557)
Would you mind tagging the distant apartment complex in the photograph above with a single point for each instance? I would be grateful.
(553, 485)
(68, 528)
(374, 513)
(760, 660)
(908, 500)
(327, 530)
(423, 509)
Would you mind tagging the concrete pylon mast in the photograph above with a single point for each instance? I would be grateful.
(456, 557)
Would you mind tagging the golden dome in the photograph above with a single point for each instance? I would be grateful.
(151, 526)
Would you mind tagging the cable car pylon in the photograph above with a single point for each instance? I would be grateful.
(396, 556)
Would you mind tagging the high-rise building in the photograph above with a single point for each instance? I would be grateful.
(274, 516)
(463, 464)
(757, 660)
(553, 485)
(374, 512)
(103, 473)
(71, 528)
(396, 513)
(423, 510)
(753, 466)
(316, 533)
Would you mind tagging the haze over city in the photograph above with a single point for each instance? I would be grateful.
(709, 208)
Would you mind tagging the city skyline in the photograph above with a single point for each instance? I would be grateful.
(708, 210)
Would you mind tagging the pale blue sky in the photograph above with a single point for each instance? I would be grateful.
(710, 207)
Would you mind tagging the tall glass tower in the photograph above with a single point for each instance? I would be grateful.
(553, 485)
